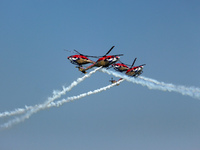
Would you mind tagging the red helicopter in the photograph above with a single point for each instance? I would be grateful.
(132, 71)
(80, 59)
(121, 67)
(104, 61)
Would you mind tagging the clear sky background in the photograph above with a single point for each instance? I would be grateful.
(163, 34)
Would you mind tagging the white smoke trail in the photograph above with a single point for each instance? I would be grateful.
(55, 104)
(69, 99)
(56, 95)
(154, 84)
(17, 111)
(194, 89)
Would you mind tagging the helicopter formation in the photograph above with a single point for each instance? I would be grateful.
(106, 61)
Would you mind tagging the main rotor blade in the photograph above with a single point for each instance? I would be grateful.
(68, 51)
(85, 55)
(124, 63)
(91, 56)
(77, 52)
(133, 62)
(118, 55)
(109, 50)
(99, 56)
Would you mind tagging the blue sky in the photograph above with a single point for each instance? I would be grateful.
(162, 34)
